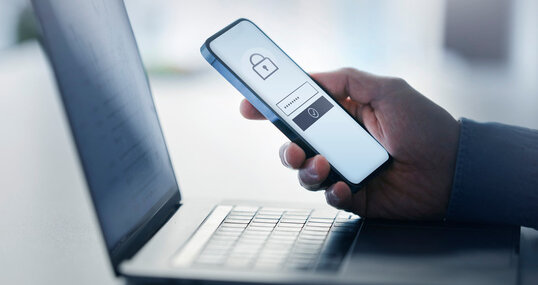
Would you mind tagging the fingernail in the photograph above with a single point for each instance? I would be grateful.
(331, 198)
(311, 169)
(283, 153)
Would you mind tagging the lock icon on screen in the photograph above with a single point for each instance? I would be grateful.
(262, 65)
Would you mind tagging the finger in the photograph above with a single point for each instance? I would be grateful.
(292, 155)
(250, 112)
(313, 172)
(339, 196)
(361, 86)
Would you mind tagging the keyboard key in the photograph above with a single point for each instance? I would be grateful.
(283, 231)
(282, 249)
(268, 216)
(256, 234)
(251, 242)
(274, 250)
(237, 221)
(312, 245)
(275, 243)
(258, 224)
(252, 237)
(298, 212)
(241, 215)
(308, 236)
(288, 225)
(314, 230)
(317, 226)
(265, 221)
(280, 229)
(293, 220)
(280, 241)
(321, 220)
(259, 229)
(280, 245)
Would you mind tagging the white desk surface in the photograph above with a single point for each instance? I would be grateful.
(48, 232)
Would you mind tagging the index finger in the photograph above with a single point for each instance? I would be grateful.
(250, 112)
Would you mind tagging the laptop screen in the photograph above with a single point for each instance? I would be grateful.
(108, 102)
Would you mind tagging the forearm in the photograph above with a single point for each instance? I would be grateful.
(496, 175)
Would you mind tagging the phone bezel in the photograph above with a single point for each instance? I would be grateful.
(289, 131)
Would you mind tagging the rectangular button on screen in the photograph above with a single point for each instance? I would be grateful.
(312, 113)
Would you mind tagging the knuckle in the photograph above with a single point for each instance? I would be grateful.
(349, 70)
(392, 84)
(395, 82)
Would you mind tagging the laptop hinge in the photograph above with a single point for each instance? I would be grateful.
(128, 247)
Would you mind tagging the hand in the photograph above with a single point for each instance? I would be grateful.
(421, 137)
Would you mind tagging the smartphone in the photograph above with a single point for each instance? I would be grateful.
(289, 98)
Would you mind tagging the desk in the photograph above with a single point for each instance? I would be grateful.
(48, 231)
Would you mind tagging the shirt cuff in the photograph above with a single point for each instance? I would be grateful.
(496, 175)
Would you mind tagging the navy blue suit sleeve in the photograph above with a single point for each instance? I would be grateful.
(496, 175)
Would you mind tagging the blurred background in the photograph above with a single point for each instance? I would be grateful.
(476, 58)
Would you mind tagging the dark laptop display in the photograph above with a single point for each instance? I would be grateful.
(111, 112)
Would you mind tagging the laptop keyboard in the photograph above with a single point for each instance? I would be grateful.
(280, 239)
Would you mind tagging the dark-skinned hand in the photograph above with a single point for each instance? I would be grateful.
(421, 137)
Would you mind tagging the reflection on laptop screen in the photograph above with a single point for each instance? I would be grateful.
(110, 109)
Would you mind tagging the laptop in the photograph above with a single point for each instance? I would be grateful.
(152, 235)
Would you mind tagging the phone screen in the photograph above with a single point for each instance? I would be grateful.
(299, 101)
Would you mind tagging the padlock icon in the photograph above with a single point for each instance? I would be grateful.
(262, 65)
